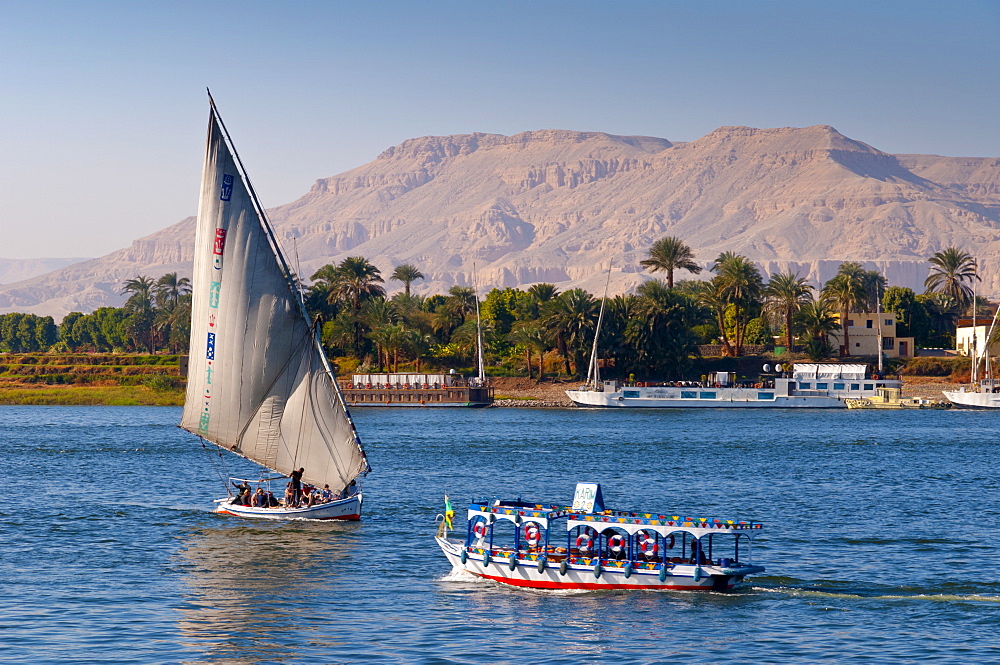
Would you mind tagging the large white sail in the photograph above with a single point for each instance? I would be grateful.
(258, 382)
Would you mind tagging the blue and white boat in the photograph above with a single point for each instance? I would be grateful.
(586, 547)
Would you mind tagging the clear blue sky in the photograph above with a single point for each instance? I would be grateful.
(103, 108)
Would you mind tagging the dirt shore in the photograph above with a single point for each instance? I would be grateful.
(552, 393)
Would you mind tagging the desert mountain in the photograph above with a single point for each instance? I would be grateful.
(558, 206)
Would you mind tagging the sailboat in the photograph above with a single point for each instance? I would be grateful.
(983, 393)
(259, 384)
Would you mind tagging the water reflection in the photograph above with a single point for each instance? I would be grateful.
(259, 591)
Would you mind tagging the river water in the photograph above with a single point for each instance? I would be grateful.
(880, 540)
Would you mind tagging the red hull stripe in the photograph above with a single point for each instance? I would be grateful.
(342, 517)
(541, 584)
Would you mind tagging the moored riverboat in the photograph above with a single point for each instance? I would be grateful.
(587, 547)
(411, 389)
(807, 385)
(891, 398)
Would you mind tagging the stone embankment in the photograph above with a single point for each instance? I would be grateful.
(521, 392)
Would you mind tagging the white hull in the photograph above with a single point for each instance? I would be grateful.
(581, 574)
(726, 398)
(973, 400)
(342, 509)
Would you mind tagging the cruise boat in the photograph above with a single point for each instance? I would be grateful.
(807, 385)
(584, 546)
(412, 389)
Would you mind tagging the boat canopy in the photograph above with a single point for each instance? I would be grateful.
(662, 524)
(813, 371)
(519, 512)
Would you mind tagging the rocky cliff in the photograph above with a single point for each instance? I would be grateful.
(558, 206)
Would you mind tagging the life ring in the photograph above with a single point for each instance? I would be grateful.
(406, 386)
(479, 529)
(648, 545)
(617, 543)
(875, 377)
(368, 386)
(670, 542)
(425, 386)
(532, 534)
(584, 542)
(350, 386)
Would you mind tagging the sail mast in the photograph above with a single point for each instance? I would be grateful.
(593, 370)
(975, 331)
(479, 330)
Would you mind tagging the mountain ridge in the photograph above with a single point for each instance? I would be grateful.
(560, 205)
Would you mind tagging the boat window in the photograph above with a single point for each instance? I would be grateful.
(630, 393)
(689, 394)
(869, 386)
(765, 395)
(855, 386)
(838, 386)
(706, 395)
(805, 386)
(868, 323)
(822, 386)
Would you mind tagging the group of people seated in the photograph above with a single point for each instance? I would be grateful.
(295, 497)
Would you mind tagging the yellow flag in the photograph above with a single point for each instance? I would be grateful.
(449, 512)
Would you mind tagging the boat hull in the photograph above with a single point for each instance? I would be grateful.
(581, 575)
(342, 509)
(973, 400)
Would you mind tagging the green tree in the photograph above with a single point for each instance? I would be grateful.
(406, 273)
(784, 295)
(740, 283)
(818, 320)
(670, 254)
(660, 331)
(847, 291)
(354, 281)
(950, 269)
(571, 318)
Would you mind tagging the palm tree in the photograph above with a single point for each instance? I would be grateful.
(406, 273)
(950, 269)
(140, 305)
(169, 290)
(710, 294)
(660, 333)
(571, 318)
(818, 320)
(531, 335)
(847, 292)
(784, 295)
(354, 281)
(740, 283)
(543, 291)
(670, 254)
(142, 293)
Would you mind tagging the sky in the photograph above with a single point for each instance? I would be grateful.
(103, 110)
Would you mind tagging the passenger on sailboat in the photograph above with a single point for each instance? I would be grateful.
(259, 499)
(296, 485)
(242, 493)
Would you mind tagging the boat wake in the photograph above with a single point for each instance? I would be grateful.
(929, 597)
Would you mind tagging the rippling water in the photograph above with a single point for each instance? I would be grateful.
(879, 541)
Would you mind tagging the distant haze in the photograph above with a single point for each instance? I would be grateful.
(560, 206)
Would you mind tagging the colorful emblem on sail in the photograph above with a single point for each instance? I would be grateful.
(218, 247)
(227, 187)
